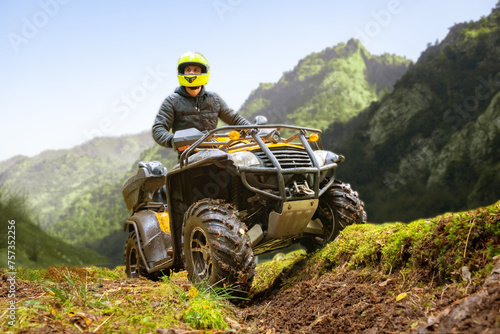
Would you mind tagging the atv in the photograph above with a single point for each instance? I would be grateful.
(237, 192)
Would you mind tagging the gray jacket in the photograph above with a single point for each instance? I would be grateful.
(181, 111)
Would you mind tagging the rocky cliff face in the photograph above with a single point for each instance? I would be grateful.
(475, 141)
(395, 115)
(432, 145)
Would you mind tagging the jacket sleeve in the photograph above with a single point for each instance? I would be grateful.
(163, 123)
(228, 116)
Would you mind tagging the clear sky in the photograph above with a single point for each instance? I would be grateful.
(71, 70)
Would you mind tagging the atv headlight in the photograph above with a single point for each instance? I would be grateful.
(327, 157)
(244, 159)
(321, 157)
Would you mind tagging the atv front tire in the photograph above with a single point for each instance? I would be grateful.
(216, 248)
(338, 207)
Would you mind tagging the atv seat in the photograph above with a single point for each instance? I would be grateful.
(145, 186)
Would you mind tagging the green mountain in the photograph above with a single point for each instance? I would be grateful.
(433, 144)
(53, 180)
(29, 245)
(95, 220)
(325, 87)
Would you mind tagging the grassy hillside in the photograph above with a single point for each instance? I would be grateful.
(53, 180)
(33, 246)
(325, 87)
(381, 278)
(95, 220)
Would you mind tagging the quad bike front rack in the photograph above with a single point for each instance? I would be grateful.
(253, 131)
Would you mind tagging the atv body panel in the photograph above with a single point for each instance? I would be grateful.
(155, 242)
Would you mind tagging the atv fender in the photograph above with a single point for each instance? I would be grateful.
(152, 240)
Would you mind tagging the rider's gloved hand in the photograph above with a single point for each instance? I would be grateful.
(180, 149)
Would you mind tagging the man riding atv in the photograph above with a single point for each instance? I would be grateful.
(238, 191)
(191, 106)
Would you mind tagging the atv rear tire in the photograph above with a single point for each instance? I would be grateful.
(338, 207)
(216, 248)
(134, 266)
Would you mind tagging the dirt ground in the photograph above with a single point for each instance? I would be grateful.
(345, 301)
(423, 299)
(353, 301)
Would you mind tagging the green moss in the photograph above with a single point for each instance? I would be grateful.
(268, 272)
(445, 243)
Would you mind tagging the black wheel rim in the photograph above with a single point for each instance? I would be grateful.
(201, 254)
(133, 262)
(327, 217)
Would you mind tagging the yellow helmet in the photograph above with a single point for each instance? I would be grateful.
(193, 80)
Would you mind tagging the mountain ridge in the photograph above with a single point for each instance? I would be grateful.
(334, 84)
(431, 145)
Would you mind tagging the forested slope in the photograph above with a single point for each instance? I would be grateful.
(433, 144)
